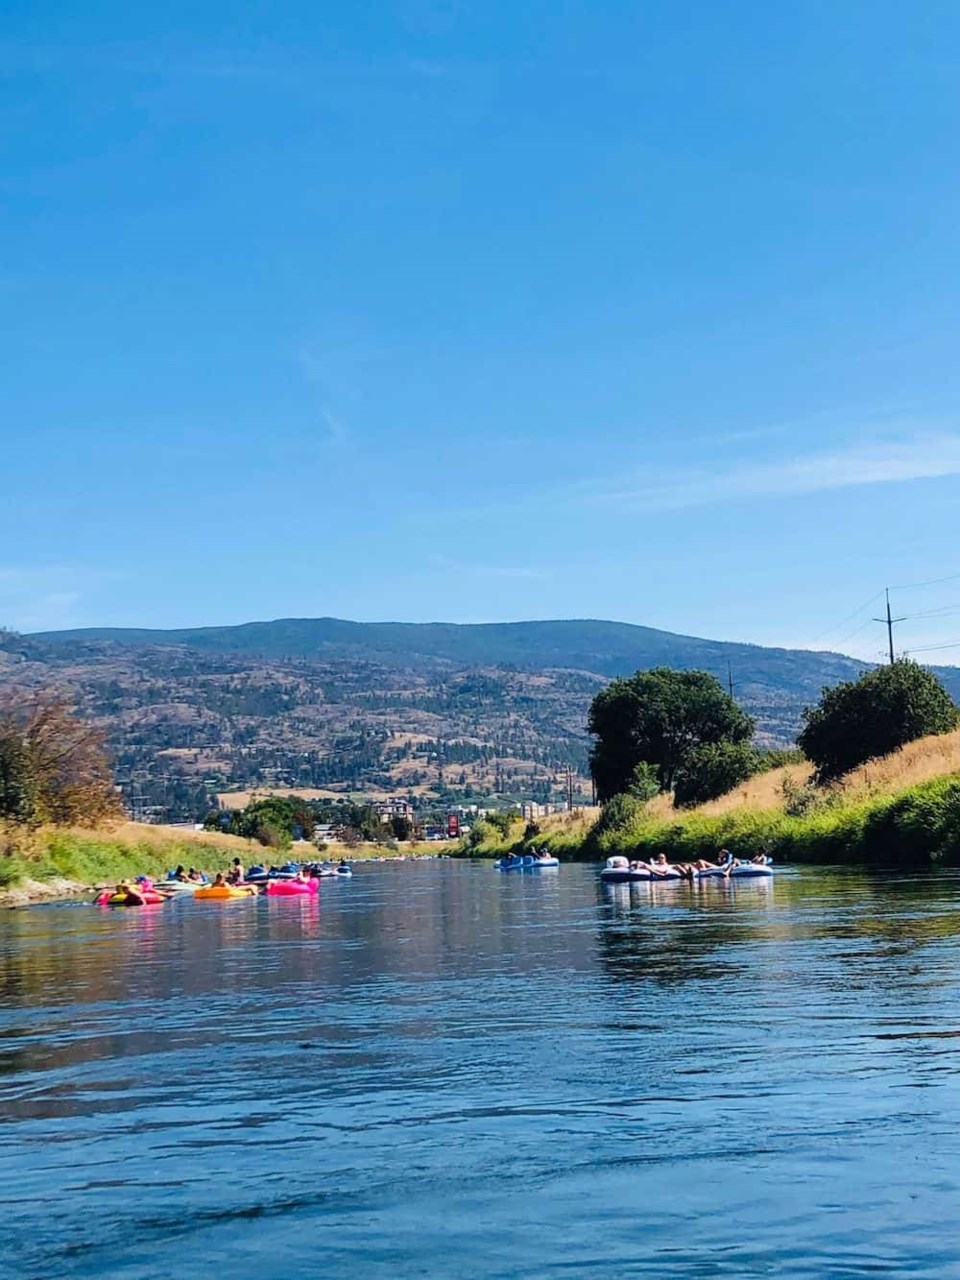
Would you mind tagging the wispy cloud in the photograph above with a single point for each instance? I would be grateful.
(315, 374)
(921, 457)
(337, 429)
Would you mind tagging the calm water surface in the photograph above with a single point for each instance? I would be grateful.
(436, 1070)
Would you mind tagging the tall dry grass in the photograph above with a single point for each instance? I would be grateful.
(917, 762)
(160, 837)
(763, 791)
(936, 756)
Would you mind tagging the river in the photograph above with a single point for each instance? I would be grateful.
(439, 1070)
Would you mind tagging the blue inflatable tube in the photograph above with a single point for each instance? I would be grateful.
(526, 863)
(618, 874)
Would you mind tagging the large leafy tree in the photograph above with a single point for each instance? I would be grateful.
(53, 767)
(274, 821)
(883, 710)
(659, 717)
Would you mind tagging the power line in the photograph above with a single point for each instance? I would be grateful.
(942, 611)
(933, 648)
(855, 632)
(849, 618)
(929, 582)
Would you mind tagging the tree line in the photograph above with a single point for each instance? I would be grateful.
(275, 821)
(681, 732)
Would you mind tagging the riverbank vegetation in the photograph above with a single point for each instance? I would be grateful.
(53, 768)
(60, 813)
(61, 820)
(904, 807)
(87, 856)
(881, 784)
(79, 857)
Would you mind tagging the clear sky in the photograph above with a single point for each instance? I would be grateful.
(430, 309)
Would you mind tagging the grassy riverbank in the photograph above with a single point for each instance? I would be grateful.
(903, 808)
(75, 857)
(90, 857)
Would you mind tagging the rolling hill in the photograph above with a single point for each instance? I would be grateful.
(607, 648)
(435, 709)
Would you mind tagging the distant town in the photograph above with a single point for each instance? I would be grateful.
(404, 817)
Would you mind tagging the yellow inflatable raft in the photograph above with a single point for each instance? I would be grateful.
(227, 891)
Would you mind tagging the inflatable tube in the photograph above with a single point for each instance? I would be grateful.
(132, 898)
(743, 871)
(292, 888)
(220, 892)
(526, 863)
(619, 871)
(625, 875)
(258, 874)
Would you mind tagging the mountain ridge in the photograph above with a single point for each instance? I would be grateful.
(300, 637)
(449, 710)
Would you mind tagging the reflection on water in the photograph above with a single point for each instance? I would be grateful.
(433, 1069)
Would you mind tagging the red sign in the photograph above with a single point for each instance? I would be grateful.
(453, 825)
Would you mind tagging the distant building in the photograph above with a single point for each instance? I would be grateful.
(327, 831)
(531, 811)
(393, 808)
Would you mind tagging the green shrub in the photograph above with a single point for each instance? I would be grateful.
(712, 770)
(777, 757)
(483, 835)
(502, 821)
(644, 783)
(620, 813)
(800, 798)
(883, 710)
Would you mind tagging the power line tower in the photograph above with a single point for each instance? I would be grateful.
(889, 621)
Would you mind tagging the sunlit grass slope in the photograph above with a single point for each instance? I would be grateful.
(122, 849)
(904, 807)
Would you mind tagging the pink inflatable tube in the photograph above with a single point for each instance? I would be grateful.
(291, 888)
(135, 896)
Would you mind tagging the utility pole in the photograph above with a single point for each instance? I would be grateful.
(890, 621)
(730, 677)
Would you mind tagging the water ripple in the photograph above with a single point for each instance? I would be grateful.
(438, 1070)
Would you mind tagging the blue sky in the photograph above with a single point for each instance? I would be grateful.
(474, 311)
